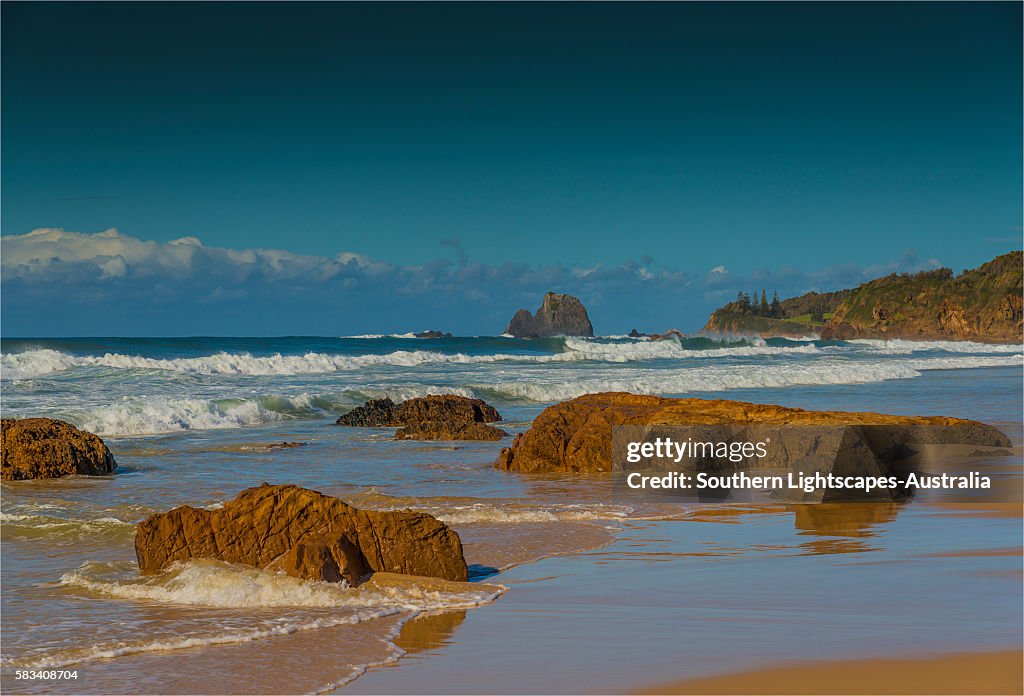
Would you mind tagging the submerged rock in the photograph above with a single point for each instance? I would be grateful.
(40, 448)
(435, 417)
(576, 436)
(304, 534)
(559, 315)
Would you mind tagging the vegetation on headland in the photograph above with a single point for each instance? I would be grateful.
(982, 304)
(793, 317)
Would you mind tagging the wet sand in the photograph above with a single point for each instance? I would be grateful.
(737, 590)
(984, 673)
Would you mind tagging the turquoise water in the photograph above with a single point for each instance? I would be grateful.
(189, 419)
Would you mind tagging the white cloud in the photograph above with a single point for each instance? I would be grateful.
(48, 253)
(58, 282)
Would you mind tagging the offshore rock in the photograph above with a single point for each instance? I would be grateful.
(559, 315)
(41, 448)
(304, 534)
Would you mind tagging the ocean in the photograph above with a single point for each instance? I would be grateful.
(189, 421)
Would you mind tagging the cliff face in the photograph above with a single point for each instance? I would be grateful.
(559, 315)
(983, 304)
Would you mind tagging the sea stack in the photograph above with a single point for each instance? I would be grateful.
(559, 315)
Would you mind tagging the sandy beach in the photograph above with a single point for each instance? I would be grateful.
(981, 673)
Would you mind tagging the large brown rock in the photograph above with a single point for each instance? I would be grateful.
(435, 417)
(303, 533)
(558, 315)
(40, 448)
(576, 436)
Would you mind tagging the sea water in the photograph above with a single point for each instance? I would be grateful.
(189, 421)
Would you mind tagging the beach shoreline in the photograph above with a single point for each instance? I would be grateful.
(951, 673)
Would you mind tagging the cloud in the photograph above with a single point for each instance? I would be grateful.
(57, 282)
(61, 282)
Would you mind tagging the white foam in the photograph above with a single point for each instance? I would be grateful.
(672, 348)
(898, 346)
(108, 651)
(496, 514)
(713, 378)
(155, 415)
(368, 336)
(216, 584)
(27, 526)
(34, 363)
(210, 583)
(37, 363)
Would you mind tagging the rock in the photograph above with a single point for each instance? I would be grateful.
(285, 445)
(446, 430)
(40, 448)
(559, 315)
(671, 334)
(446, 408)
(576, 436)
(376, 413)
(302, 533)
(435, 417)
(432, 334)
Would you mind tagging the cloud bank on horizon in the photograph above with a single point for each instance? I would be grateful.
(63, 283)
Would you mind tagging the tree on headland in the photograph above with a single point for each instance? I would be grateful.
(759, 306)
(743, 302)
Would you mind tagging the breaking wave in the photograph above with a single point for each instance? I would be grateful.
(153, 415)
(38, 363)
(211, 583)
(156, 415)
(671, 348)
(724, 378)
(466, 511)
(898, 346)
(208, 583)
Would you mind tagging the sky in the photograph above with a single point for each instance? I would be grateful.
(269, 169)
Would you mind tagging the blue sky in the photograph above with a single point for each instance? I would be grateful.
(472, 155)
